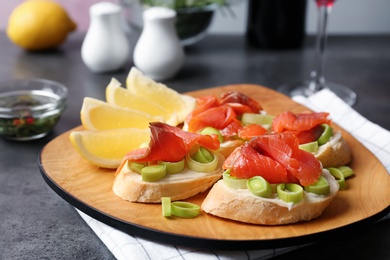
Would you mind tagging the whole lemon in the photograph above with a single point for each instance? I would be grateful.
(39, 25)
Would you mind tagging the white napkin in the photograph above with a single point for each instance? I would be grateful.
(124, 246)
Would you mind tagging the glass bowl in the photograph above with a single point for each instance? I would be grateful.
(29, 109)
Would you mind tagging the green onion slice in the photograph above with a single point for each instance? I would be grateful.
(233, 182)
(202, 155)
(174, 167)
(199, 166)
(326, 134)
(212, 131)
(290, 192)
(320, 187)
(258, 186)
(311, 147)
(153, 173)
(136, 167)
(166, 206)
(347, 171)
(253, 118)
(185, 209)
(339, 177)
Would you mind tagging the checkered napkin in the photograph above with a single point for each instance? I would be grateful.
(125, 246)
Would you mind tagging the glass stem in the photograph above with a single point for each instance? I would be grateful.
(318, 79)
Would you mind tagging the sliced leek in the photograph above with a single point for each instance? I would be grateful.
(290, 192)
(347, 171)
(311, 147)
(205, 165)
(185, 209)
(166, 206)
(258, 186)
(174, 167)
(320, 187)
(253, 118)
(233, 182)
(326, 134)
(212, 131)
(136, 167)
(339, 176)
(202, 155)
(153, 173)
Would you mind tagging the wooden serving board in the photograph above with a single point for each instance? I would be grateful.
(89, 188)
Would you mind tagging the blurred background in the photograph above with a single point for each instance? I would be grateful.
(348, 17)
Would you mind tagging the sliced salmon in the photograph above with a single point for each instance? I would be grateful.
(307, 136)
(298, 122)
(245, 162)
(284, 148)
(222, 114)
(277, 158)
(217, 117)
(202, 104)
(252, 130)
(306, 126)
(240, 102)
(170, 143)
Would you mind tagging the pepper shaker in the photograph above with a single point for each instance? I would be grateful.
(158, 52)
(105, 46)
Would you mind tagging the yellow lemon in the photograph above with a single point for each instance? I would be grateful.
(99, 115)
(107, 148)
(171, 100)
(117, 95)
(39, 24)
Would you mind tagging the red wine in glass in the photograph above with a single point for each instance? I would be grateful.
(317, 80)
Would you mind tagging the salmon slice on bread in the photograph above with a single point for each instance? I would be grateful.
(169, 145)
(334, 151)
(278, 160)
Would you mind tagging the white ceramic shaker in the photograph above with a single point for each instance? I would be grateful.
(158, 52)
(105, 46)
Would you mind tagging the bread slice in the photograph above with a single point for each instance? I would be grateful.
(129, 185)
(241, 205)
(334, 153)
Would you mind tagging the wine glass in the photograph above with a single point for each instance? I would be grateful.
(317, 80)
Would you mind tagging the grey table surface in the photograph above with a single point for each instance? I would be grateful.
(36, 223)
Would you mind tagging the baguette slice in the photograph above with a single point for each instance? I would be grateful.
(241, 205)
(334, 153)
(129, 185)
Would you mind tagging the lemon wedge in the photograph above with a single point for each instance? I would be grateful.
(169, 99)
(106, 148)
(99, 115)
(117, 95)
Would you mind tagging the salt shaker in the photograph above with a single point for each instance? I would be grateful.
(158, 52)
(105, 46)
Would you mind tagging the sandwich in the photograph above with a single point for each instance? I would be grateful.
(316, 135)
(269, 180)
(175, 164)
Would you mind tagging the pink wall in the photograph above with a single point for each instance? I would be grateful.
(77, 10)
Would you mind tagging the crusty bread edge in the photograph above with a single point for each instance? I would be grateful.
(334, 153)
(242, 206)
